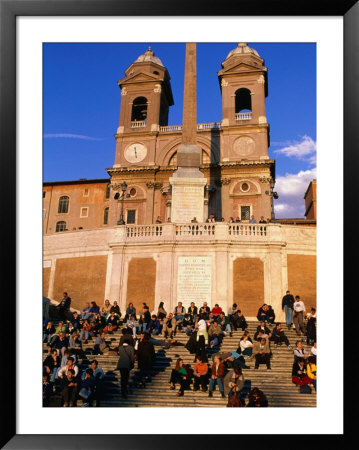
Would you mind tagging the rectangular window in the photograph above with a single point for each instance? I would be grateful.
(84, 212)
(245, 212)
(43, 194)
(108, 191)
(86, 193)
(131, 216)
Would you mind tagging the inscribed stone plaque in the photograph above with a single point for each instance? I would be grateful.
(194, 277)
(187, 199)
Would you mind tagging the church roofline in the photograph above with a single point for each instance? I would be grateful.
(80, 181)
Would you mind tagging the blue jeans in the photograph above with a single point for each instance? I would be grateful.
(266, 318)
(86, 333)
(248, 351)
(178, 317)
(47, 337)
(142, 327)
(212, 383)
(215, 341)
(288, 315)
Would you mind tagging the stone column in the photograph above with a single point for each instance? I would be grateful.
(164, 278)
(274, 279)
(115, 261)
(221, 272)
(50, 293)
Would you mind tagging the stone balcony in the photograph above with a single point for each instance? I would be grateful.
(298, 238)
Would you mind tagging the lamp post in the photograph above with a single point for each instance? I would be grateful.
(116, 197)
(272, 195)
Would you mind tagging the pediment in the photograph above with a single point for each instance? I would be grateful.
(241, 67)
(140, 77)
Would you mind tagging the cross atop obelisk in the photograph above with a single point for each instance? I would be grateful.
(188, 154)
(188, 181)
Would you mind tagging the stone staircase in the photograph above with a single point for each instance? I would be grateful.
(276, 383)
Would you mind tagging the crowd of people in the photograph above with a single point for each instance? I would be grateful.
(212, 218)
(205, 328)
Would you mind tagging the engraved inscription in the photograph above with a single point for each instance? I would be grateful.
(194, 280)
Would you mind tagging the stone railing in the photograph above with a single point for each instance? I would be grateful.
(200, 126)
(138, 124)
(177, 232)
(143, 231)
(245, 229)
(244, 116)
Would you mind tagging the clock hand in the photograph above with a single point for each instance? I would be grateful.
(135, 151)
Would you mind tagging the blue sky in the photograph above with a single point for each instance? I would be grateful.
(82, 104)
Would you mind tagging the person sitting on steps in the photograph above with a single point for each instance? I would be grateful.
(261, 352)
(200, 375)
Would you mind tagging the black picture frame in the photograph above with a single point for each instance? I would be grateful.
(9, 11)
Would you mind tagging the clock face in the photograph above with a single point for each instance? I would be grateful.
(135, 153)
(243, 146)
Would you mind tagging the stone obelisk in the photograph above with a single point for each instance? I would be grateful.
(188, 182)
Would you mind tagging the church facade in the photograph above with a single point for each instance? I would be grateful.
(120, 243)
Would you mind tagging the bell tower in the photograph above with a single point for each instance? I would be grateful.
(246, 168)
(243, 83)
(146, 96)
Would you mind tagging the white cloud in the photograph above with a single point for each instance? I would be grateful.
(71, 136)
(305, 150)
(291, 189)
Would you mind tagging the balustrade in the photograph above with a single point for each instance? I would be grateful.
(244, 116)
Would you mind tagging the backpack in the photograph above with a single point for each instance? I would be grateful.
(305, 389)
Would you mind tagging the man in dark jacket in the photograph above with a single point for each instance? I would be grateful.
(266, 313)
(279, 336)
(154, 325)
(266, 332)
(287, 307)
(125, 363)
(146, 357)
(239, 321)
(64, 306)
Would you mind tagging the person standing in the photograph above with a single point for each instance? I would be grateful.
(146, 357)
(217, 375)
(125, 363)
(287, 307)
(298, 316)
(64, 306)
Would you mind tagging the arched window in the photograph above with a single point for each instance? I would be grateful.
(243, 100)
(60, 226)
(108, 187)
(105, 216)
(63, 204)
(173, 160)
(139, 109)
